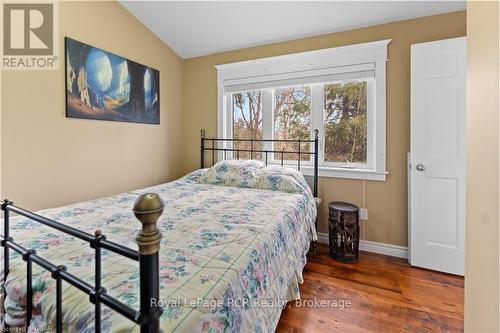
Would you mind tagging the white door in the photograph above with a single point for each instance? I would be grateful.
(437, 167)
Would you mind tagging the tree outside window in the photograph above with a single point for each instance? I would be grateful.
(247, 122)
(344, 118)
(292, 120)
(346, 122)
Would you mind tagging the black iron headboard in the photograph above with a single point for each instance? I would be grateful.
(253, 152)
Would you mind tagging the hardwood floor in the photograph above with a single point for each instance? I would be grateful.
(386, 295)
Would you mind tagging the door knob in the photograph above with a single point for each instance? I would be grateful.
(420, 167)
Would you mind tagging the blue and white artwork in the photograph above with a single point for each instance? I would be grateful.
(101, 85)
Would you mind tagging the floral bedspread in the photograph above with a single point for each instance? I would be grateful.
(229, 259)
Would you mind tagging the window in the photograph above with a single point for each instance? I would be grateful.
(346, 130)
(247, 121)
(339, 91)
(292, 119)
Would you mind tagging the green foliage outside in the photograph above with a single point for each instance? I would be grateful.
(345, 120)
(292, 119)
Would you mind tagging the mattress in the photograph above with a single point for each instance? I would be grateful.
(230, 258)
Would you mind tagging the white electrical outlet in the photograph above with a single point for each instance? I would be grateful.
(363, 214)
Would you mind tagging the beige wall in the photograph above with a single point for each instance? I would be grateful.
(386, 201)
(482, 152)
(50, 160)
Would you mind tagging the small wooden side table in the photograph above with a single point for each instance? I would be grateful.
(343, 227)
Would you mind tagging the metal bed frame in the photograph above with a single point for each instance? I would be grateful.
(214, 146)
(147, 209)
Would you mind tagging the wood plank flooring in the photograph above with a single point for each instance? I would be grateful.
(386, 295)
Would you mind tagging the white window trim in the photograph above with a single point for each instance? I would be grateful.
(308, 64)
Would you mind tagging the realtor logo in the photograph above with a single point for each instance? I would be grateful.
(29, 36)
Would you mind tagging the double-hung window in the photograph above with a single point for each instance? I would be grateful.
(340, 91)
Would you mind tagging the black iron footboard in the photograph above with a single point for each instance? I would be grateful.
(147, 209)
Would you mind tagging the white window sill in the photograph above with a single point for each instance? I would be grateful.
(348, 173)
(336, 172)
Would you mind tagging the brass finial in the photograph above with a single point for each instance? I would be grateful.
(202, 132)
(148, 209)
(316, 133)
(98, 233)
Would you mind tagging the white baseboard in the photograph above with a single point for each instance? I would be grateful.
(375, 247)
(323, 238)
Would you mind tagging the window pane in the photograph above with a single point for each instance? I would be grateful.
(292, 120)
(247, 122)
(346, 122)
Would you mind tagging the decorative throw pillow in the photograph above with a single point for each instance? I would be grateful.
(237, 173)
(277, 178)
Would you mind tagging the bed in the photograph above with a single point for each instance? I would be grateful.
(229, 260)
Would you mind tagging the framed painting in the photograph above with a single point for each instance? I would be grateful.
(104, 86)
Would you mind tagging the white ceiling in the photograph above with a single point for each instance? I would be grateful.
(194, 29)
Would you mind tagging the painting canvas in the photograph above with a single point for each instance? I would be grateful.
(101, 85)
